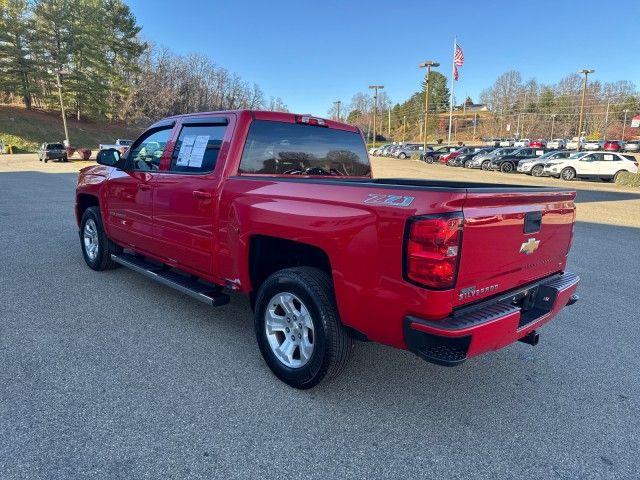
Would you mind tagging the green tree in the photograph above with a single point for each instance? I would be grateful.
(16, 64)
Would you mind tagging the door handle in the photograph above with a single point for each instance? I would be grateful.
(201, 195)
(144, 187)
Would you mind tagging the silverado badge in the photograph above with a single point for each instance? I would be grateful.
(529, 246)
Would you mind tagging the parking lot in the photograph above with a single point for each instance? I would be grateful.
(109, 375)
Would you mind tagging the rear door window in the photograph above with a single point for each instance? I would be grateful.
(277, 148)
(197, 148)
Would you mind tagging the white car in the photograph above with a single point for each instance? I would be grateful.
(593, 145)
(535, 166)
(573, 143)
(523, 142)
(603, 165)
(557, 144)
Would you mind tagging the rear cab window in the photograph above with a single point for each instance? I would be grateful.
(278, 148)
(198, 147)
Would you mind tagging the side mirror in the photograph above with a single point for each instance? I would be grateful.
(109, 157)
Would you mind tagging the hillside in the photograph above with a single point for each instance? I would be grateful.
(26, 130)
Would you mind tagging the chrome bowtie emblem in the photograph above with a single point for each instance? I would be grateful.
(529, 246)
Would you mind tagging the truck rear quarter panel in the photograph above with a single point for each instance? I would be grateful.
(363, 243)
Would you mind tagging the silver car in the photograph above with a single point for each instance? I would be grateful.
(632, 146)
(406, 151)
(535, 166)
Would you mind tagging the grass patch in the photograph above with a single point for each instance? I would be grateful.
(628, 179)
(27, 130)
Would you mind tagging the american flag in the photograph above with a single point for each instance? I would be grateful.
(458, 57)
(455, 73)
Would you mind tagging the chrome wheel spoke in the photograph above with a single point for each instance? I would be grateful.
(275, 323)
(289, 330)
(306, 349)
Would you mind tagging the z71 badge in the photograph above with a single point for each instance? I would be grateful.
(389, 200)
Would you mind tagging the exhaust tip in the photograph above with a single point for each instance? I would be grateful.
(531, 338)
(573, 299)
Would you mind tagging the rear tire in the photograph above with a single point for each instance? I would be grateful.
(617, 175)
(311, 313)
(467, 164)
(568, 174)
(485, 165)
(429, 159)
(506, 167)
(402, 156)
(96, 246)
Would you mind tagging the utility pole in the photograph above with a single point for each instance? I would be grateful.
(586, 73)
(606, 121)
(429, 64)
(375, 108)
(404, 126)
(64, 117)
(624, 124)
(389, 125)
(475, 122)
(553, 121)
(337, 104)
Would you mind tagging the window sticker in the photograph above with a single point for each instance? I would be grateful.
(192, 151)
(185, 150)
(608, 156)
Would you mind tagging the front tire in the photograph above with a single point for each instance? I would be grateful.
(429, 159)
(537, 171)
(467, 164)
(298, 328)
(402, 156)
(96, 246)
(568, 174)
(485, 165)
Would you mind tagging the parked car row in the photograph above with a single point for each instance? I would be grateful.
(561, 144)
(538, 162)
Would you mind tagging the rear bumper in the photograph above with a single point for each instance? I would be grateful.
(490, 325)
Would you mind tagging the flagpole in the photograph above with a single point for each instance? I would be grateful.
(453, 69)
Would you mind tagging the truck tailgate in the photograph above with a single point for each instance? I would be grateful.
(511, 239)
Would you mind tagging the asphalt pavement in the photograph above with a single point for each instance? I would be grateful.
(109, 375)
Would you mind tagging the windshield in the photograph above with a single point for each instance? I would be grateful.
(547, 155)
(275, 148)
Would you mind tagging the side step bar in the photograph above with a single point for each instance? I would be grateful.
(209, 294)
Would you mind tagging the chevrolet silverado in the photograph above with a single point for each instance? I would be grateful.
(284, 208)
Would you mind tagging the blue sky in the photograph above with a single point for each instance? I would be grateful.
(311, 53)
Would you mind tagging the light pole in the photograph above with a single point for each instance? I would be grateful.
(624, 124)
(337, 104)
(59, 74)
(553, 121)
(375, 109)
(429, 64)
(586, 73)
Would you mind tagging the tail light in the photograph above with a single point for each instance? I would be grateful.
(311, 120)
(432, 250)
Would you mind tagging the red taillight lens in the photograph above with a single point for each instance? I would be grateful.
(433, 250)
(319, 122)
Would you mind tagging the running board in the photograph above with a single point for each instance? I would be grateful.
(209, 294)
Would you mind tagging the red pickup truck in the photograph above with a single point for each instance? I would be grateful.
(284, 208)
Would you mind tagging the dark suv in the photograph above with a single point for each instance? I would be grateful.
(508, 163)
(52, 151)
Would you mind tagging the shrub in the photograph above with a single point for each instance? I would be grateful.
(84, 153)
(628, 179)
